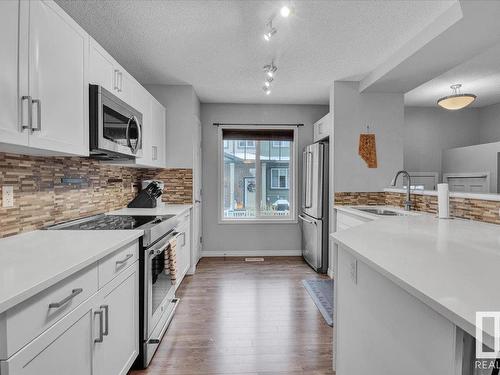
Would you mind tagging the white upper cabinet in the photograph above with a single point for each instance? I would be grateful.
(159, 121)
(43, 83)
(106, 72)
(57, 80)
(323, 128)
(10, 127)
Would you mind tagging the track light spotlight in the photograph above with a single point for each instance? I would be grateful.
(285, 11)
(270, 70)
(270, 31)
(267, 90)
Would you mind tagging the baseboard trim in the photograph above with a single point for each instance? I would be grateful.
(252, 253)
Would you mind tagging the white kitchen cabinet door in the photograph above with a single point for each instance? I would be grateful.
(102, 69)
(142, 101)
(10, 126)
(322, 128)
(65, 348)
(183, 249)
(158, 114)
(127, 86)
(120, 307)
(58, 51)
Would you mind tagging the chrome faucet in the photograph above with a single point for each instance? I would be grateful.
(408, 202)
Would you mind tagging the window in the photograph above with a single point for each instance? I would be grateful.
(246, 144)
(257, 180)
(280, 144)
(279, 178)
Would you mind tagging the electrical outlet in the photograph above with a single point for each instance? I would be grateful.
(7, 196)
(354, 271)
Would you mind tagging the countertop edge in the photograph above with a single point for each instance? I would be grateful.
(37, 288)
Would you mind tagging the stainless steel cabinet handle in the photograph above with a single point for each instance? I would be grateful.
(115, 80)
(101, 323)
(120, 74)
(124, 260)
(305, 220)
(30, 112)
(38, 103)
(74, 293)
(106, 320)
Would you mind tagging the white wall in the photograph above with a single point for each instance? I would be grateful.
(352, 111)
(489, 130)
(428, 131)
(182, 106)
(219, 239)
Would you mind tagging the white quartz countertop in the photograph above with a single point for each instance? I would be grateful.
(34, 261)
(168, 209)
(451, 265)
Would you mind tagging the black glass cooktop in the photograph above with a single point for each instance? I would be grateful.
(106, 222)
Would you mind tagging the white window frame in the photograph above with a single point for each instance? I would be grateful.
(278, 169)
(292, 171)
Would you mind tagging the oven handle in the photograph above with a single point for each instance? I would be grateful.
(157, 340)
(156, 250)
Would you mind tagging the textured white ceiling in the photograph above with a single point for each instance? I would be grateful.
(479, 75)
(217, 46)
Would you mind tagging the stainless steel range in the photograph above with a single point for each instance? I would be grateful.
(157, 292)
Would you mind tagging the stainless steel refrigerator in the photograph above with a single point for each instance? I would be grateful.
(314, 215)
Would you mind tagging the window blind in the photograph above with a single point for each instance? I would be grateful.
(258, 134)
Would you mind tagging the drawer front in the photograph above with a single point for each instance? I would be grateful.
(117, 262)
(345, 220)
(27, 320)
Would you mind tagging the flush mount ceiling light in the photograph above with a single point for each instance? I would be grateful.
(270, 70)
(457, 100)
(270, 31)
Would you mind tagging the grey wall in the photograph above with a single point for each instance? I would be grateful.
(428, 131)
(477, 158)
(489, 130)
(182, 106)
(248, 238)
(352, 111)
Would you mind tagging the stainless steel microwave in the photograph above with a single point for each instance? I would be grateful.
(115, 127)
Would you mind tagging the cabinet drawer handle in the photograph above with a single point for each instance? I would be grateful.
(106, 320)
(30, 113)
(74, 293)
(120, 262)
(115, 80)
(101, 330)
(38, 103)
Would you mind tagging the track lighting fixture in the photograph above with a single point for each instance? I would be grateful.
(270, 30)
(267, 90)
(270, 70)
(268, 81)
(285, 11)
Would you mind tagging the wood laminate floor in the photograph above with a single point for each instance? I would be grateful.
(237, 317)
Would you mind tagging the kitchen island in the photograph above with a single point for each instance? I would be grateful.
(407, 292)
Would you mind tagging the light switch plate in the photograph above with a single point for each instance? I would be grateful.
(7, 196)
(354, 270)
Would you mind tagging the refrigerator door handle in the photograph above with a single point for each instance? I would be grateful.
(304, 178)
(307, 221)
(309, 162)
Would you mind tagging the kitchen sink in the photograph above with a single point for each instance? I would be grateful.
(380, 211)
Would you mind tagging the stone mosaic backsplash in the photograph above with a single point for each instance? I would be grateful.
(41, 197)
(465, 208)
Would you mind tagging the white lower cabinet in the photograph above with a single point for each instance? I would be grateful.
(183, 248)
(120, 335)
(65, 348)
(98, 336)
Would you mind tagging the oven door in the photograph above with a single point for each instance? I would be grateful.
(160, 289)
(115, 127)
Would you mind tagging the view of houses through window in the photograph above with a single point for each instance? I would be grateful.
(257, 179)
